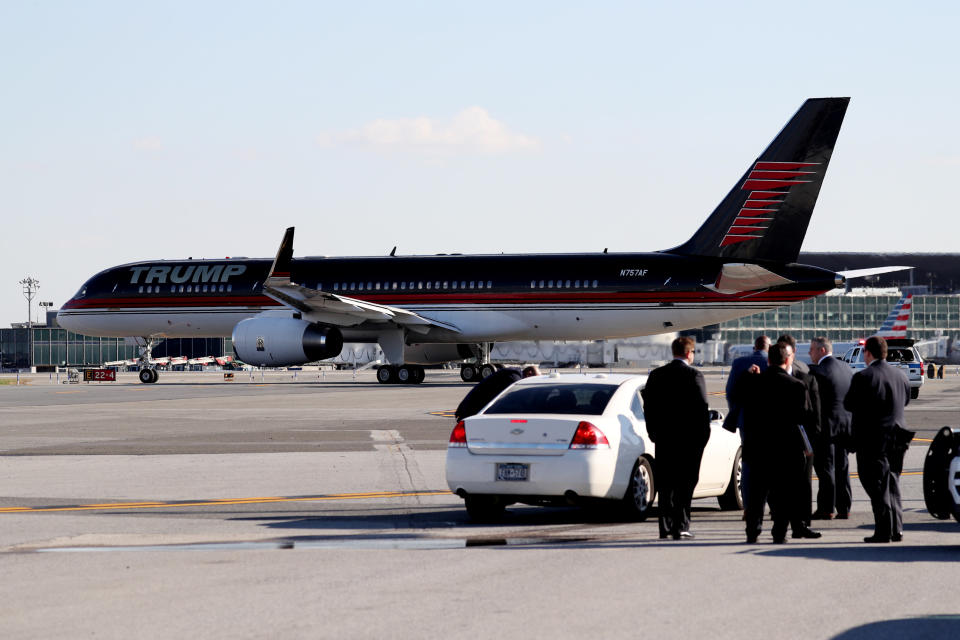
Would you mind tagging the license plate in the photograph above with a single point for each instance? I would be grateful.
(512, 471)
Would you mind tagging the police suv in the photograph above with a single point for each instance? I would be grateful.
(900, 353)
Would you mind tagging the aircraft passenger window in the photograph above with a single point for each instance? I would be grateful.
(567, 285)
(454, 285)
(229, 287)
(369, 286)
(403, 285)
(480, 284)
(445, 284)
(489, 283)
(141, 289)
(205, 288)
(173, 288)
(320, 286)
(473, 284)
(576, 284)
(378, 286)
(336, 286)
(353, 286)
(533, 284)
(463, 284)
(594, 284)
(428, 285)
(436, 285)
(181, 289)
(360, 288)
(189, 288)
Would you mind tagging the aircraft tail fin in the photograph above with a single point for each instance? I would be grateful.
(895, 326)
(765, 215)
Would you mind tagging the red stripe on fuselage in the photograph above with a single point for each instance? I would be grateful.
(396, 298)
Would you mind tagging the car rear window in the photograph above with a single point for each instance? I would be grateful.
(900, 355)
(590, 399)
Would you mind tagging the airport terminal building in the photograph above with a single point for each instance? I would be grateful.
(842, 316)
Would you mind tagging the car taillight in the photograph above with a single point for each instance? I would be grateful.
(588, 437)
(459, 436)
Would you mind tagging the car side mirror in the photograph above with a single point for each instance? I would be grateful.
(715, 415)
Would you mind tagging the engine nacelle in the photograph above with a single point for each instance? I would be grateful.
(437, 353)
(280, 342)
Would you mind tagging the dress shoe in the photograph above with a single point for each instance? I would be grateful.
(821, 515)
(806, 533)
(896, 537)
(876, 539)
(751, 539)
(686, 535)
(843, 515)
(780, 540)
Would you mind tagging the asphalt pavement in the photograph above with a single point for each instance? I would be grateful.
(314, 505)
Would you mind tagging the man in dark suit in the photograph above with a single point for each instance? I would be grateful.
(775, 404)
(489, 388)
(876, 399)
(734, 419)
(678, 422)
(829, 447)
(810, 425)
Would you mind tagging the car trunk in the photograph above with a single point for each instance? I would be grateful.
(501, 434)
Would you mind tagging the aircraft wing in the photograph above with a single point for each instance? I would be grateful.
(331, 308)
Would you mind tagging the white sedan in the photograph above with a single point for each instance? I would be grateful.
(574, 439)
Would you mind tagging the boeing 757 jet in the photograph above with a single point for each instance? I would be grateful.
(444, 308)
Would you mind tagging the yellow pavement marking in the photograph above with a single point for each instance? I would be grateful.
(224, 501)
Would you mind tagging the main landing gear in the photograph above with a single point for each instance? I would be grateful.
(406, 374)
(149, 376)
(474, 372)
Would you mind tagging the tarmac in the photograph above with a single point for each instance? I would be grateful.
(314, 505)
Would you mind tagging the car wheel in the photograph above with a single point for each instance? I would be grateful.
(485, 508)
(914, 393)
(732, 499)
(638, 501)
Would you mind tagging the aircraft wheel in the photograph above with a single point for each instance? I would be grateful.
(468, 373)
(487, 370)
(155, 374)
(146, 376)
(940, 469)
(386, 374)
(418, 374)
(405, 375)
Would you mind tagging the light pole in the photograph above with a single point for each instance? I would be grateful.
(30, 286)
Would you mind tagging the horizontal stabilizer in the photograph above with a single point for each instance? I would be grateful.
(737, 277)
(873, 271)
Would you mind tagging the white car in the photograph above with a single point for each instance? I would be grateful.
(574, 439)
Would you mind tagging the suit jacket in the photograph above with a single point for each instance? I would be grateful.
(485, 391)
(811, 419)
(675, 407)
(833, 381)
(737, 369)
(775, 404)
(876, 399)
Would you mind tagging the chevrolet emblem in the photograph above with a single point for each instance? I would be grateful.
(516, 432)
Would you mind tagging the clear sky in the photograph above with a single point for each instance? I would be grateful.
(135, 130)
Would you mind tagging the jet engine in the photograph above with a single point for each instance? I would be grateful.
(437, 353)
(280, 342)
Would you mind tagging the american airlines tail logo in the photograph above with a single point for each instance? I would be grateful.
(895, 326)
(768, 184)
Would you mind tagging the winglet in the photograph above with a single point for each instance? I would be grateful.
(281, 264)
